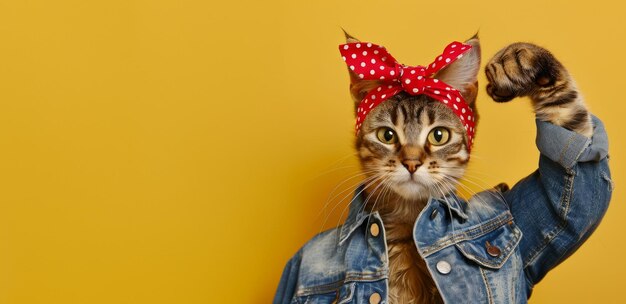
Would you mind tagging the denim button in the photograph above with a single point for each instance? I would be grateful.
(493, 251)
(433, 214)
(444, 267)
(374, 229)
(375, 298)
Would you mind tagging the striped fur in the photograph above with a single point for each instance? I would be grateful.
(520, 69)
(392, 189)
(400, 196)
(524, 69)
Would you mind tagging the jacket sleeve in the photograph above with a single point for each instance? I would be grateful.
(287, 285)
(558, 206)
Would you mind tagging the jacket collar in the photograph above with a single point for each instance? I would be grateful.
(357, 214)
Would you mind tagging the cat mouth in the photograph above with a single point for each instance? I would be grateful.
(413, 180)
(411, 188)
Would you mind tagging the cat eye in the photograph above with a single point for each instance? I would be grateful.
(438, 136)
(387, 136)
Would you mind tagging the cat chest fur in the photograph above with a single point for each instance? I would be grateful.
(409, 279)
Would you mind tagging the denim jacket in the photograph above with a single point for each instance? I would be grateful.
(492, 248)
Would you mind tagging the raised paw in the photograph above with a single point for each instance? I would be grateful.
(519, 70)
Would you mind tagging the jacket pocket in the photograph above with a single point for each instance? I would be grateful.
(339, 296)
(493, 249)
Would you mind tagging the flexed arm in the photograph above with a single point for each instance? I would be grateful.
(558, 206)
(524, 69)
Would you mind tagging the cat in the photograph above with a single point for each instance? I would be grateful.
(411, 147)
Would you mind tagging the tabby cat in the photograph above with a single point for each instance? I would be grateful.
(413, 147)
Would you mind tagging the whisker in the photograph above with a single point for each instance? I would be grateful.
(385, 187)
(366, 199)
(382, 181)
(330, 199)
(373, 193)
(449, 210)
(499, 193)
(469, 190)
(367, 183)
(349, 192)
(331, 171)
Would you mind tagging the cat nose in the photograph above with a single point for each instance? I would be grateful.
(411, 164)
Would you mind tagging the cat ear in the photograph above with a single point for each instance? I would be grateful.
(359, 87)
(349, 38)
(462, 74)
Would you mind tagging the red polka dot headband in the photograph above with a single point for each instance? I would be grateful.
(372, 62)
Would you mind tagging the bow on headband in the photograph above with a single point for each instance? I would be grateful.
(372, 62)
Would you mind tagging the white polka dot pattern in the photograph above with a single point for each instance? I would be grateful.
(372, 62)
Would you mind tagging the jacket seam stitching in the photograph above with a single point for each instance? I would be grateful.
(569, 142)
(595, 193)
(560, 226)
(508, 248)
(325, 288)
(333, 286)
(470, 234)
(489, 294)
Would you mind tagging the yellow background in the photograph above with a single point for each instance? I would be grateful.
(182, 151)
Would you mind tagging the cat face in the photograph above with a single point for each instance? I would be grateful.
(414, 146)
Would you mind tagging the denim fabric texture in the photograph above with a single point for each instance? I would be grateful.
(492, 248)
